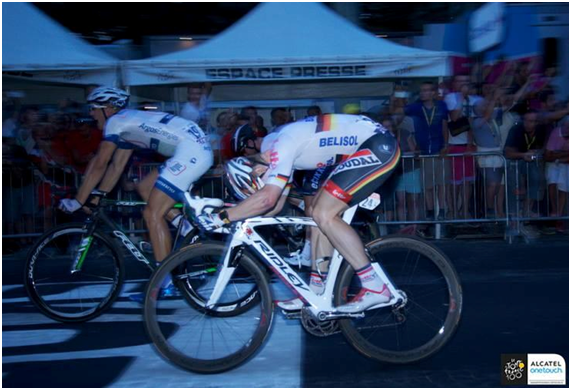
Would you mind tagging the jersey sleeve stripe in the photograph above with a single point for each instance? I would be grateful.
(282, 178)
(388, 167)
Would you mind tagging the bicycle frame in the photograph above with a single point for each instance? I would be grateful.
(99, 215)
(321, 306)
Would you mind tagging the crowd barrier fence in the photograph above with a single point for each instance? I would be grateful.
(475, 188)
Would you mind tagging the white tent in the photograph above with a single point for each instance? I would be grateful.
(289, 41)
(37, 48)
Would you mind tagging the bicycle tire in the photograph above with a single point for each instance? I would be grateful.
(91, 291)
(398, 348)
(160, 316)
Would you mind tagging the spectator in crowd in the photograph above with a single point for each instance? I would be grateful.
(28, 119)
(230, 125)
(431, 133)
(249, 115)
(557, 172)
(260, 128)
(549, 114)
(83, 143)
(408, 188)
(314, 111)
(226, 123)
(525, 145)
(488, 139)
(54, 160)
(196, 108)
(9, 116)
(280, 116)
(18, 192)
(461, 142)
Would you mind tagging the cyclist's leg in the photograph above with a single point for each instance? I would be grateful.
(327, 214)
(190, 161)
(158, 205)
(145, 187)
(376, 160)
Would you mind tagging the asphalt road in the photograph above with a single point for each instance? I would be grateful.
(516, 300)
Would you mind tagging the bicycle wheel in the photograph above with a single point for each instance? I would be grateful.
(198, 339)
(418, 327)
(79, 296)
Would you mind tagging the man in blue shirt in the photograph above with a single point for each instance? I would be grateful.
(431, 133)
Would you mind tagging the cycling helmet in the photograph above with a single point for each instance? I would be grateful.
(240, 177)
(241, 137)
(108, 96)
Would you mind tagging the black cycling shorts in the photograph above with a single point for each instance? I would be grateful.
(313, 180)
(361, 173)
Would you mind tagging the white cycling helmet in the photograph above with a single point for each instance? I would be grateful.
(240, 177)
(108, 96)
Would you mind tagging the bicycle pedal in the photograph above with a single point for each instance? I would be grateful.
(292, 315)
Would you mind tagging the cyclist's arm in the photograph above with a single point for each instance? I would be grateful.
(257, 204)
(115, 169)
(280, 205)
(95, 170)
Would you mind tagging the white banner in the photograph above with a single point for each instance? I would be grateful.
(153, 74)
(486, 27)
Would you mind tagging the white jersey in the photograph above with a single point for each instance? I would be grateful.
(316, 142)
(158, 131)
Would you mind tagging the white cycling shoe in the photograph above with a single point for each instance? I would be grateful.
(365, 299)
(294, 304)
(298, 260)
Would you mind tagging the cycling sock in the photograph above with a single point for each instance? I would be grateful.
(316, 282)
(369, 278)
(306, 252)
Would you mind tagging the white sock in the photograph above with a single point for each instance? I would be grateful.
(316, 282)
(369, 278)
(306, 252)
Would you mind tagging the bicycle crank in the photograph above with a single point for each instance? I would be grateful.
(318, 328)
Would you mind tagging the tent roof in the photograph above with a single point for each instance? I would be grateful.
(293, 31)
(288, 34)
(32, 41)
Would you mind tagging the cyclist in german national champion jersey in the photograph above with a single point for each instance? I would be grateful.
(124, 130)
(365, 154)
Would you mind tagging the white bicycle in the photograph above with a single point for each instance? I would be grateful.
(232, 284)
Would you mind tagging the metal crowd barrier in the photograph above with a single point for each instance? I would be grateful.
(30, 197)
(468, 189)
(425, 190)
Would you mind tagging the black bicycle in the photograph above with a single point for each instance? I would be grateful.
(75, 271)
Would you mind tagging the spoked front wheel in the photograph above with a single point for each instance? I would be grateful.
(200, 339)
(73, 295)
(424, 321)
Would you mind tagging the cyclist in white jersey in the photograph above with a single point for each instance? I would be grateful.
(365, 154)
(124, 130)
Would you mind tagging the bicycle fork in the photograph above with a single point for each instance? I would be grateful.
(81, 254)
(225, 272)
(84, 246)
